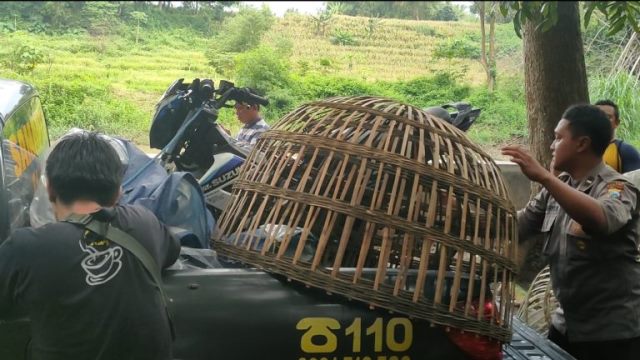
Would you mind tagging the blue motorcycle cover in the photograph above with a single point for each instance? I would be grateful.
(176, 199)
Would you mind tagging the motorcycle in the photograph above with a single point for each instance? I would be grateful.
(185, 129)
(462, 118)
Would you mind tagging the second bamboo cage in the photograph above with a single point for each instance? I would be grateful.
(383, 203)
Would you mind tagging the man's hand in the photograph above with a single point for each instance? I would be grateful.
(530, 167)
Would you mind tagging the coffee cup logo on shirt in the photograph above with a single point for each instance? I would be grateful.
(101, 265)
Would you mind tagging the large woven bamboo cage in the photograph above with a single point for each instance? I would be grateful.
(383, 203)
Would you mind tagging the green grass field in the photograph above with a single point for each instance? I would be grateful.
(111, 84)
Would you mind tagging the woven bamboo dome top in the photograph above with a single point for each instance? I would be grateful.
(382, 203)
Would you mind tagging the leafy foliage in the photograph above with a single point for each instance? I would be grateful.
(617, 13)
(446, 13)
(322, 20)
(457, 48)
(222, 63)
(545, 14)
(24, 59)
(59, 17)
(442, 88)
(427, 30)
(262, 68)
(243, 31)
(100, 15)
(341, 37)
(415, 10)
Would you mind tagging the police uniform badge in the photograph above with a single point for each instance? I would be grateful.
(615, 189)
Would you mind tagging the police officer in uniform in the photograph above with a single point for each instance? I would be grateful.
(589, 215)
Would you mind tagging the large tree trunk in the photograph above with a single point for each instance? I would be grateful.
(555, 76)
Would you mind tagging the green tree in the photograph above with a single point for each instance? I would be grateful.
(139, 17)
(446, 13)
(243, 31)
(100, 16)
(56, 14)
(262, 68)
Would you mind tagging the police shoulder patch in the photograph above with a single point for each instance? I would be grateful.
(615, 189)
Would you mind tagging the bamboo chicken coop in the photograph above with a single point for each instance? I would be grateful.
(383, 203)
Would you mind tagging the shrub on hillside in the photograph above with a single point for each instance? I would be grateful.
(243, 31)
(262, 68)
(100, 16)
(24, 59)
(427, 31)
(341, 37)
(442, 88)
(457, 48)
(222, 63)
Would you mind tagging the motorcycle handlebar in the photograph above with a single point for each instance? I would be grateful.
(246, 96)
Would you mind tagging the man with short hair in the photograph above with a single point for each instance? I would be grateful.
(590, 216)
(622, 157)
(88, 297)
(254, 125)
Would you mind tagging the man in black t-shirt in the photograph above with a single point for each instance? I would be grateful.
(87, 297)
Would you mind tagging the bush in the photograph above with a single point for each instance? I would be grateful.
(100, 16)
(262, 68)
(446, 13)
(457, 48)
(442, 88)
(222, 63)
(24, 59)
(341, 37)
(316, 87)
(243, 31)
(427, 31)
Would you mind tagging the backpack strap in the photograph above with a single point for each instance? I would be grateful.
(128, 242)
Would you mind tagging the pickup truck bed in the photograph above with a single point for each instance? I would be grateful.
(249, 314)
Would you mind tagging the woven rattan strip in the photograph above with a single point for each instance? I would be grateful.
(350, 107)
(382, 203)
(374, 217)
(426, 170)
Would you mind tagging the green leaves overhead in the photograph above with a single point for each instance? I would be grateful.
(545, 14)
(617, 13)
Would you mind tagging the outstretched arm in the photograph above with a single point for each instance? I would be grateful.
(581, 207)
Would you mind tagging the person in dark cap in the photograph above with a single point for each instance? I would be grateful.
(253, 123)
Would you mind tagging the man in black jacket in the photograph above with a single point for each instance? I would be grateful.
(86, 296)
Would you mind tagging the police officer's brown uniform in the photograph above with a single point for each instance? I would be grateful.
(595, 276)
